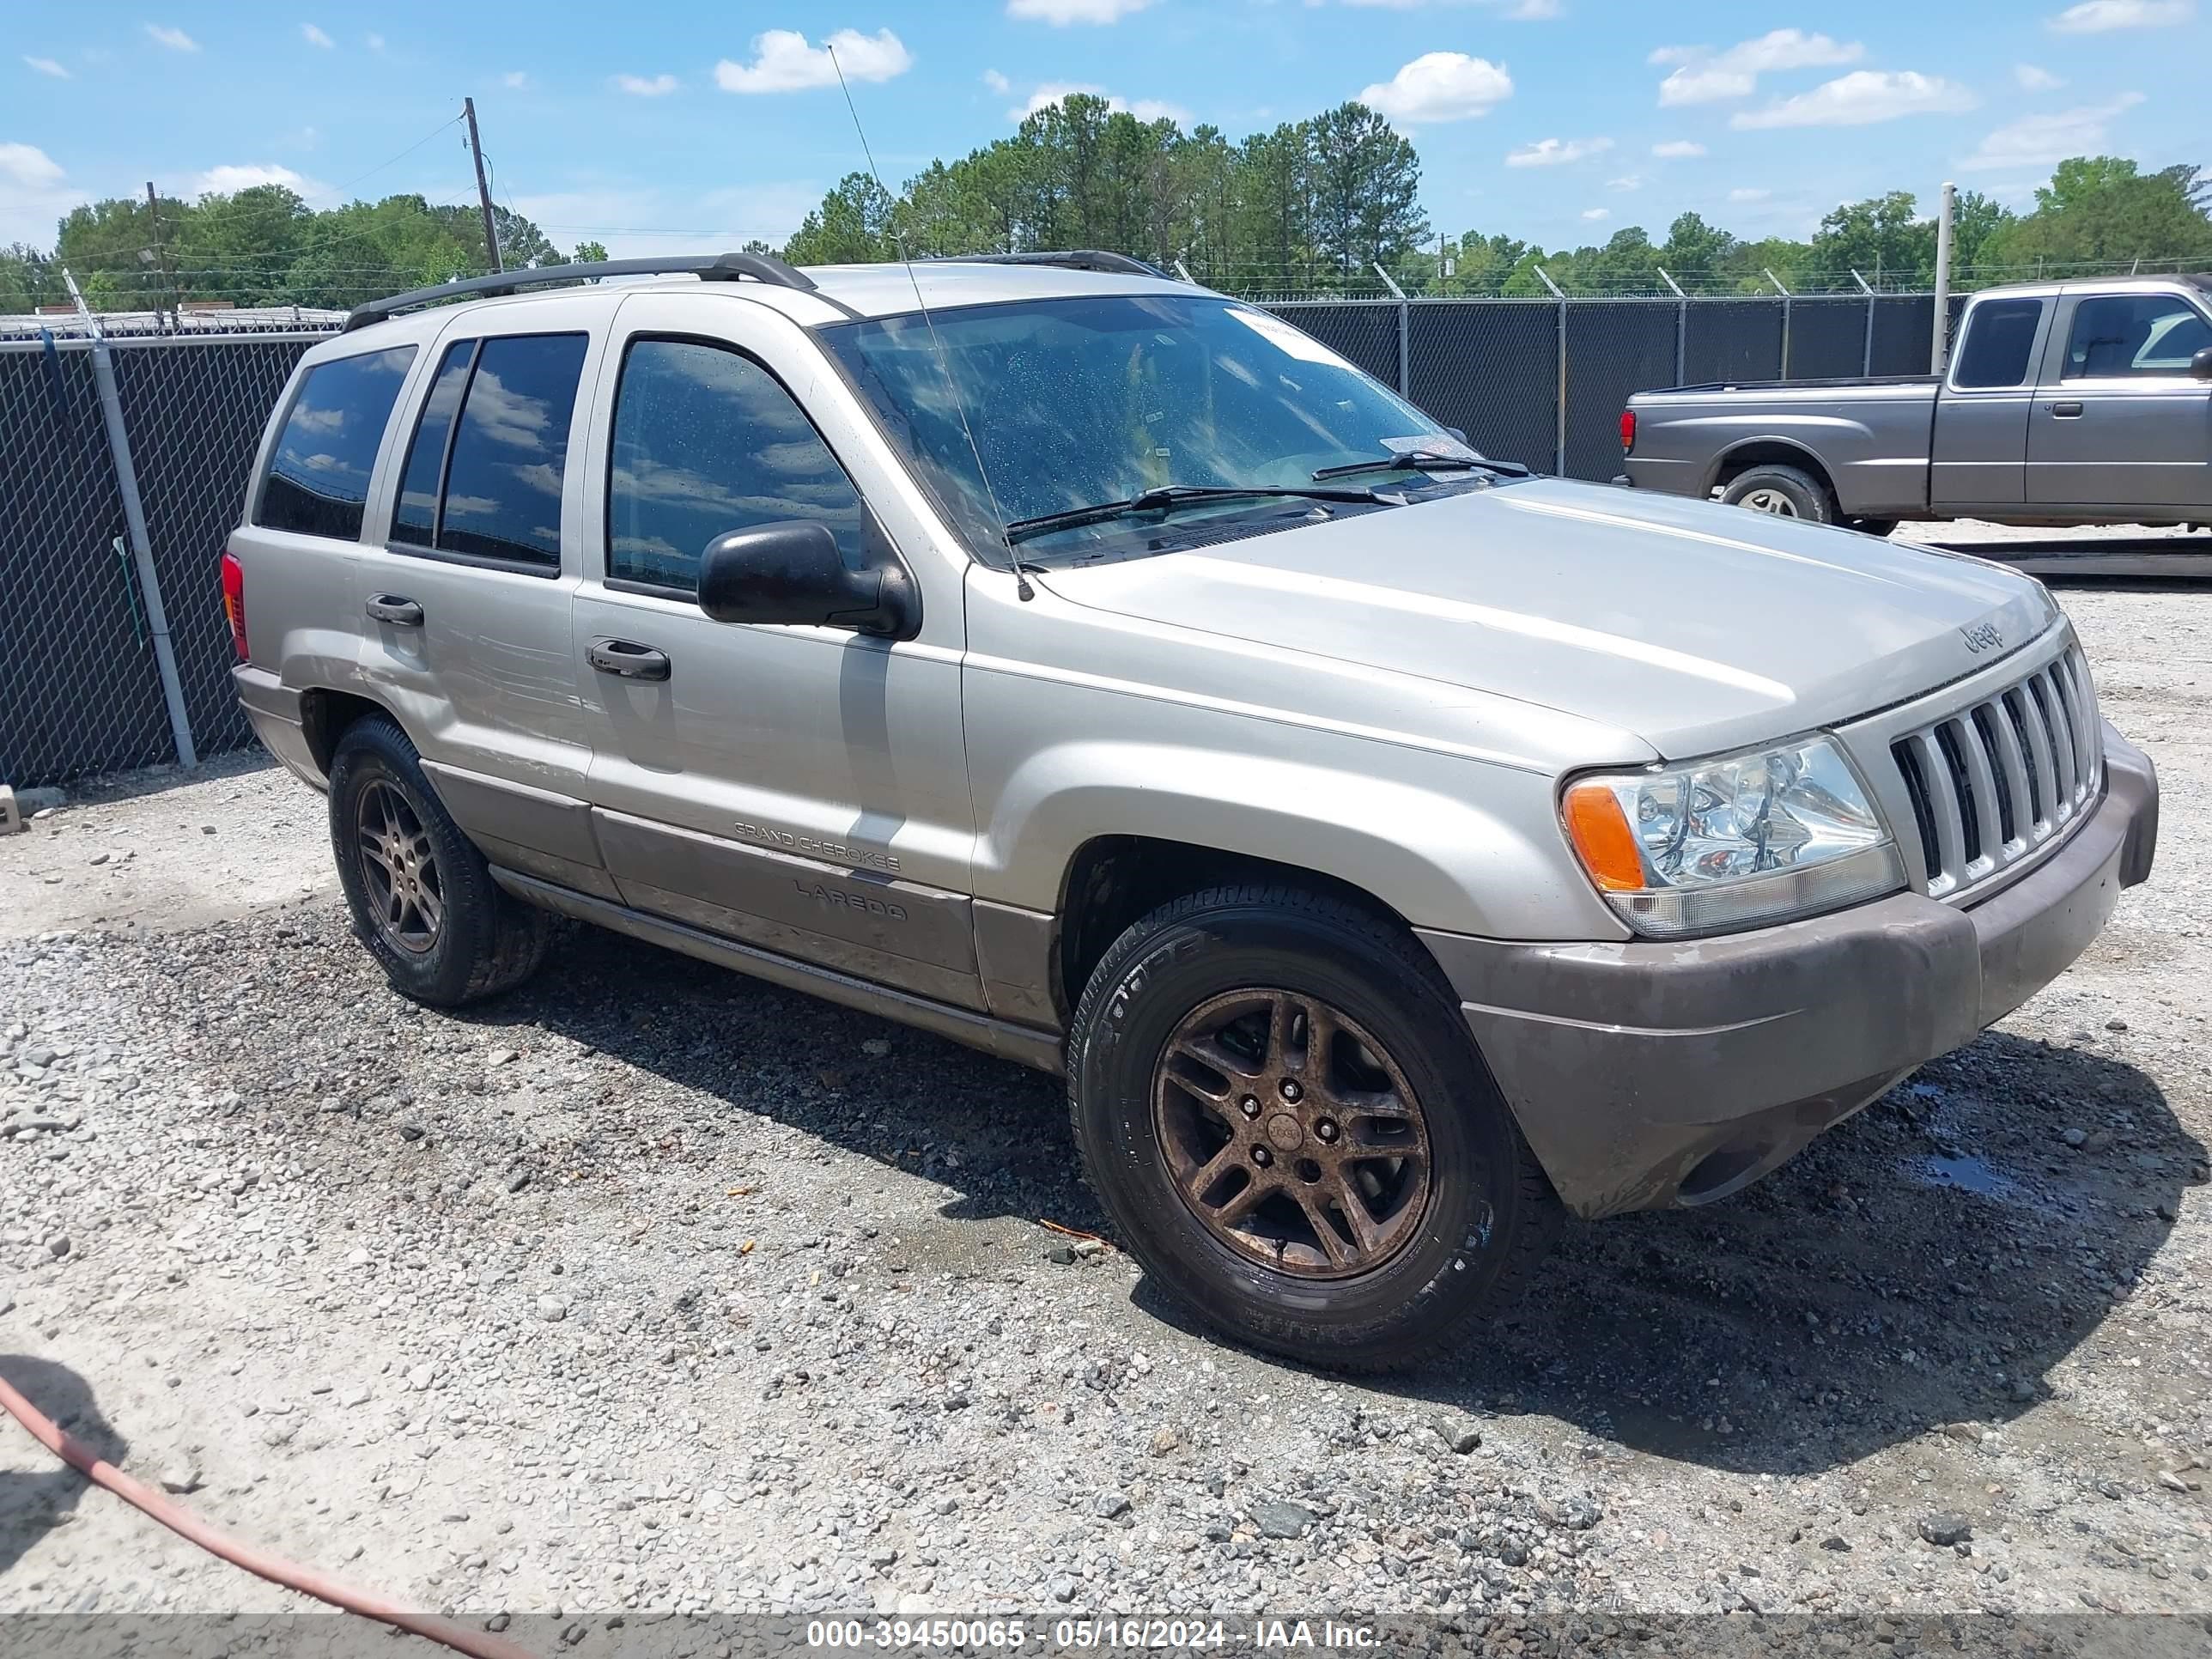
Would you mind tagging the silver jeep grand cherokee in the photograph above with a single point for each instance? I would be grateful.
(1394, 850)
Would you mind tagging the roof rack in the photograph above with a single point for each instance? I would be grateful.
(1120, 264)
(708, 267)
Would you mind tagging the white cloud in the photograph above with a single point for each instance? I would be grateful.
(515, 80)
(29, 166)
(1441, 86)
(1749, 193)
(1061, 13)
(1519, 11)
(646, 86)
(48, 66)
(2096, 17)
(1706, 77)
(1557, 152)
(2032, 79)
(227, 181)
(174, 39)
(1861, 98)
(1626, 182)
(375, 42)
(1677, 149)
(783, 62)
(2040, 140)
(995, 83)
(315, 37)
(629, 217)
(1594, 214)
(1145, 109)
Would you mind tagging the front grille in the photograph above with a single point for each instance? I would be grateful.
(1995, 781)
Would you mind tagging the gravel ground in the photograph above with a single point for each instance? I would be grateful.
(651, 1288)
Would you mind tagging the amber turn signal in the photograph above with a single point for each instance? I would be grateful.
(1603, 839)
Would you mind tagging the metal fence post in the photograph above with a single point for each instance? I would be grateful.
(1560, 440)
(1784, 293)
(1866, 360)
(134, 521)
(1405, 362)
(1681, 327)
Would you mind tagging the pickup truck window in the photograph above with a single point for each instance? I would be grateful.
(317, 482)
(1074, 401)
(2000, 335)
(706, 442)
(2133, 334)
(491, 490)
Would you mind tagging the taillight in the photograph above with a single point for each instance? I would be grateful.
(233, 602)
(1627, 430)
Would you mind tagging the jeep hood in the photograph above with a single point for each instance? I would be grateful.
(1697, 626)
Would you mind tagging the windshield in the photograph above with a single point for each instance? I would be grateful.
(1076, 403)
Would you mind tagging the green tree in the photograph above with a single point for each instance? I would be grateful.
(589, 254)
(852, 225)
(2099, 209)
(1880, 233)
(1366, 189)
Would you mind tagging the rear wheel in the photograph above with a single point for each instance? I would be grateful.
(1787, 492)
(421, 896)
(1279, 1105)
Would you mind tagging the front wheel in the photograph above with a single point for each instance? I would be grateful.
(422, 898)
(1277, 1103)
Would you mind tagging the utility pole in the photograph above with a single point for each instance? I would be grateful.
(1939, 349)
(483, 195)
(161, 256)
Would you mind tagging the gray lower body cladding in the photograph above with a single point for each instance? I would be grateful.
(1651, 1074)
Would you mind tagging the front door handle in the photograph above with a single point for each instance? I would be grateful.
(627, 659)
(2068, 412)
(391, 608)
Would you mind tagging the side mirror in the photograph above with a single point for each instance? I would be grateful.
(791, 571)
(1456, 433)
(2200, 364)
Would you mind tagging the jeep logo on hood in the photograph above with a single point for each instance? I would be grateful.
(1982, 636)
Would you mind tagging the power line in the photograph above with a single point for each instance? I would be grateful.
(453, 121)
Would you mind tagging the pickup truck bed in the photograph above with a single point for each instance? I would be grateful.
(2063, 404)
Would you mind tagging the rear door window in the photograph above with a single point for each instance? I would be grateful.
(2000, 335)
(318, 480)
(486, 484)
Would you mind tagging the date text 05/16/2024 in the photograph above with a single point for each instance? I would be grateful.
(1079, 1635)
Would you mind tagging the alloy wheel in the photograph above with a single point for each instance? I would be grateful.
(1769, 500)
(1291, 1134)
(399, 869)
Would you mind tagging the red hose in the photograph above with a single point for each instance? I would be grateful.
(182, 1522)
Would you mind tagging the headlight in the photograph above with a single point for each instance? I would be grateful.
(1764, 837)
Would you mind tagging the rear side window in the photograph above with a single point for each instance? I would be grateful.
(706, 442)
(1999, 337)
(2131, 334)
(318, 480)
(485, 483)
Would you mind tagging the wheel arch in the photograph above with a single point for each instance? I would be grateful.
(1739, 459)
(325, 714)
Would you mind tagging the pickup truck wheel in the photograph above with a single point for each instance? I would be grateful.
(422, 899)
(1277, 1103)
(1784, 491)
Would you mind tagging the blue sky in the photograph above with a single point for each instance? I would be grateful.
(654, 126)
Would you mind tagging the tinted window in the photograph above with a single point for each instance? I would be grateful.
(416, 518)
(1999, 337)
(2133, 334)
(319, 478)
(502, 495)
(706, 442)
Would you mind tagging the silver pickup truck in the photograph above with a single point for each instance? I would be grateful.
(2063, 404)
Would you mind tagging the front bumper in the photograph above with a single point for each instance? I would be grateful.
(1646, 1074)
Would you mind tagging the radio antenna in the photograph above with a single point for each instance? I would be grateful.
(944, 363)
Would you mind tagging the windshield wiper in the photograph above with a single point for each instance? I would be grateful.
(1427, 460)
(1165, 498)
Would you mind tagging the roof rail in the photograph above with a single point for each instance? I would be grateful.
(1120, 264)
(708, 267)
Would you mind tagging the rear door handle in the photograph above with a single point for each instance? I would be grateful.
(391, 608)
(627, 659)
(2067, 412)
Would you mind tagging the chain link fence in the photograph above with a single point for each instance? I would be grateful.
(81, 676)
(1538, 381)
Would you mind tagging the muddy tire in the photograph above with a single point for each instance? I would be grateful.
(422, 897)
(1280, 1106)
